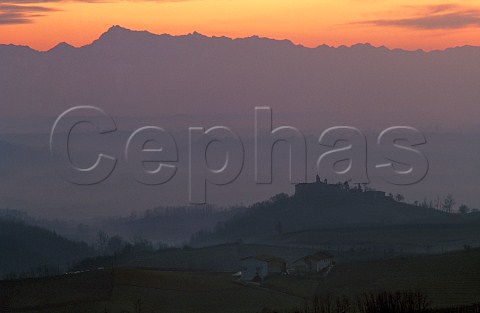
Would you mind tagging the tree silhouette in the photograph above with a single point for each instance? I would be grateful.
(279, 228)
(464, 209)
(399, 197)
(102, 241)
(448, 203)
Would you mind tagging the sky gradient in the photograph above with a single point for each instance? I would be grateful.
(428, 25)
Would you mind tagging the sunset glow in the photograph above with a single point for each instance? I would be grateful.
(394, 24)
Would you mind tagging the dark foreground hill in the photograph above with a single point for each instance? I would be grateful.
(36, 251)
(448, 280)
(320, 205)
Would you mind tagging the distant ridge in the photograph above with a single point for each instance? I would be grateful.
(118, 30)
(61, 47)
(137, 73)
(131, 73)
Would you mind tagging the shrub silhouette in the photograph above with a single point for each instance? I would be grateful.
(384, 302)
(398, 302)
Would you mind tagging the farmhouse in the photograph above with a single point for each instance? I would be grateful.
(313, 263)
(257, 268)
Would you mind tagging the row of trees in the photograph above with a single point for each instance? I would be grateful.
(446, 204)
(106, 245)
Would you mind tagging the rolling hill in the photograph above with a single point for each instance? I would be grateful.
(317, 206)
(36, 251)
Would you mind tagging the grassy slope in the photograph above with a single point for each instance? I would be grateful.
(163, 291)
(224, 257)
(368, 243)
(428, 236)
(449, 280)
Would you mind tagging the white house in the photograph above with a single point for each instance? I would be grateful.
(257, 268)
(313, 263)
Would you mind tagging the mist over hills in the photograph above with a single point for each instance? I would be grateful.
(146, 248)
(30, 181)
(180, 81)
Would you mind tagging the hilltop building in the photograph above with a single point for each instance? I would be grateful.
(323, 188)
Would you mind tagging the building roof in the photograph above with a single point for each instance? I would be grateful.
(321, 255)
(317, 256)
(265, 258)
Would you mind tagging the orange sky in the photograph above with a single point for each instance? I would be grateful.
(396, 24)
